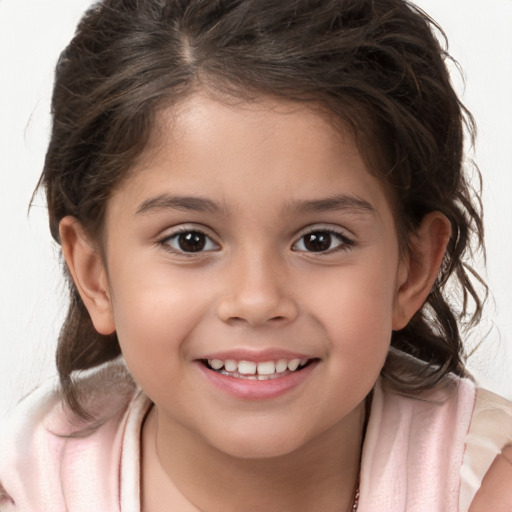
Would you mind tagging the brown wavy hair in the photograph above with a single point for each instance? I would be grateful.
(377, 66)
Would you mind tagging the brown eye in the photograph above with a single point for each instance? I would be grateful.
(318, 242)
(191, 241)
(322, 241)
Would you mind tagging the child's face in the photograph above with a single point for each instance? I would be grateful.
(253, 233)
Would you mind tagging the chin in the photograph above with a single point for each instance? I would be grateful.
(256, 451)
(259, 443)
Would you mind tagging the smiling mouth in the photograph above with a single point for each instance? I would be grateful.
(250, 370)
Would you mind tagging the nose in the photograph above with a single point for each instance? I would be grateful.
(257, 293)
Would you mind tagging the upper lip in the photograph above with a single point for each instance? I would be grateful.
(257, 356)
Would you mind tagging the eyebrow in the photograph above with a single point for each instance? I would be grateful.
(336, 202)
(164, 202)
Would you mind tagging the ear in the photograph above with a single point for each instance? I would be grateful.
(87, 269)
(420, 267)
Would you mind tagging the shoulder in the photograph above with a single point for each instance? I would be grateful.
(487, 470)
(410, 435)
(45, 448)
(432, 414)
(457, 436)
(495, 492)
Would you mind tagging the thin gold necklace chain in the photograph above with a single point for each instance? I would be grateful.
(368, 402)
(355, 503)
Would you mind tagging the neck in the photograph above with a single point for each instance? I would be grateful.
(194, 476)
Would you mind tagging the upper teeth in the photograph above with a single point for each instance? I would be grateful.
(252, 368)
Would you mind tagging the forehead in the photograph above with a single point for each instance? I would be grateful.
(216, 122)
(239, 152)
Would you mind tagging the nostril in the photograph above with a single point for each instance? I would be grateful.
(253, 309)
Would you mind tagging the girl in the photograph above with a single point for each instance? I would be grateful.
(260, 205)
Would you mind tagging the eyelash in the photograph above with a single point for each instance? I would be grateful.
(345, 243)
(167, 241)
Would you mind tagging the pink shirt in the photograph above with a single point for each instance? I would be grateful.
(419, 455)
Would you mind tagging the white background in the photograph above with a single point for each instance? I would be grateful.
(32, 296)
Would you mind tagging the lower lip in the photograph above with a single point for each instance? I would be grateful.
(247, 389)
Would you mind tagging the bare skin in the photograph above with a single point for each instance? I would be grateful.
(312, 479)
(495, 494)
(296, 258)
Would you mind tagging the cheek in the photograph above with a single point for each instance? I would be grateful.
(154, 313)
(356, 310)
(356, 300)
(154, 324)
